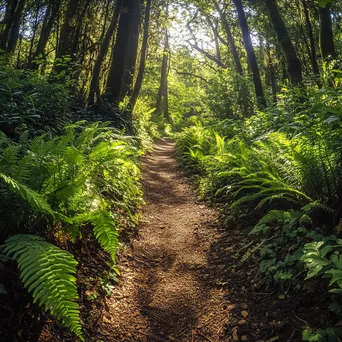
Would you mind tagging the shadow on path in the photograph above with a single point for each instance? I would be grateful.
(166, 292)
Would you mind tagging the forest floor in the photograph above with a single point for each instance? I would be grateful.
(182, 278)
(179, 281)
(165, 293)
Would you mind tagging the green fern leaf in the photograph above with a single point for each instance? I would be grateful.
(105, 231)
(36, 200)
(48, 273)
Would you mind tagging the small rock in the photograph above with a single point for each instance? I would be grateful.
(244, 338)
(242, 322)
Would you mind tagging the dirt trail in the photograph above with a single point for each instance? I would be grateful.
(166, 292)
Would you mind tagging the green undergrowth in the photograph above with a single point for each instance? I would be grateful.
(54, 187)
(29, 102)
(280, 173)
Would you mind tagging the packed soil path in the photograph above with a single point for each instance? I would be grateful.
(165, 293)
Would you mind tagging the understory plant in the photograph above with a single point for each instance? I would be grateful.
(26, 100)
(284, 168)
(51, 188)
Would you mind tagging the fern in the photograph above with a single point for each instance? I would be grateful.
(49, 274)
(104, 227)
(36, 200)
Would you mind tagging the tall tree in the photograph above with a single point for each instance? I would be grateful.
(125, 47)
(294, 67)
(132, 52)
(230, 37)
(313, 53)
(13, 17)
(142, 64)
(326, 33)
(162, 104)
(94, 84)
(68, 31)
(251, 55)
(215, 36)
(49, 20)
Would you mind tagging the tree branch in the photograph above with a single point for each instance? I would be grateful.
(191, 74)
(208, 55)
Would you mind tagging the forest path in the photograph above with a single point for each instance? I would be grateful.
(167, 292)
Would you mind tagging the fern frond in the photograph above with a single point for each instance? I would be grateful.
(104, 227)
(48, 273)
(36, 200)
(276, 216)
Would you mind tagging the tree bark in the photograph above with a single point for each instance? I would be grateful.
(140, 76)
(94, 84)
(15, 27)
(8, 20)
(117, 73)
(294, 67)
(49, 20)
(313, 54)
(35, 28)
(67, 32)
(230, 38)
(162, 104)
(251, 55)
(326, 34)
(216, 38)
(132, 52)
(77, 34)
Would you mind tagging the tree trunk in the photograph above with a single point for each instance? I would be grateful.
(66, 33)
(326, 34)
(216, 38)
(15, 28)
(77, 34)
(94, 84)
(294, 67)
(35, 28)
(272, 73)
(132, 52)
(251, 55)
(313, 55)
(117, 73)
(162, 104)
(230, 38)
(8, 20)
(49, 20)
(140, 76)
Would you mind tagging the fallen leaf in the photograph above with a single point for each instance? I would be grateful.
(244, 313)
(235, 334)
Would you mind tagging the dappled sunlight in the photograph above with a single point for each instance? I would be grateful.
(229, 228)
(169, 261)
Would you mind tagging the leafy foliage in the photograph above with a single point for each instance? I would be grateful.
(281, 172)
(105, 231)
(54, 186)
(49, 274)
(25, 102)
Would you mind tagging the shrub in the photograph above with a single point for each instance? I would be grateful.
(51, 185)
(30, 102)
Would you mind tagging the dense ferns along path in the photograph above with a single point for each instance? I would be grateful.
(167, 292)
